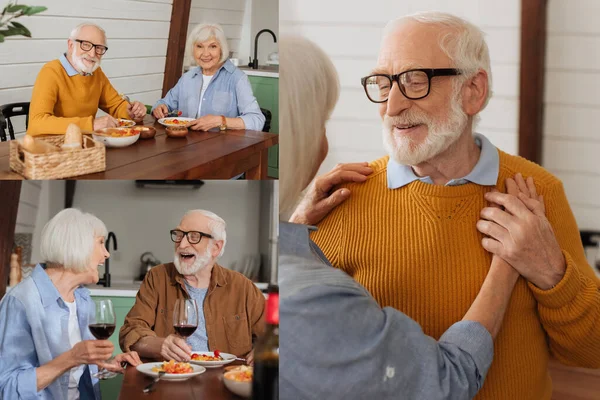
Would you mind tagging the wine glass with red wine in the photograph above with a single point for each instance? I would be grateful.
(185, 317)
(102, 327)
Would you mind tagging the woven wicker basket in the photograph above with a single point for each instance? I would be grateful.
(61, 164)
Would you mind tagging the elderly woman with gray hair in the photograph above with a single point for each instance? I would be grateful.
(46, 348)
(339, 343)
(216, 93)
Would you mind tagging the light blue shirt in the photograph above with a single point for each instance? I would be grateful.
(229, 93)
(198, 341)
(484, 173)
(337, 343)
(67, 66)
(34, 323)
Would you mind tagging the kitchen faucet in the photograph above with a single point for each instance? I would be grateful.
(255, 61)
(105, 281)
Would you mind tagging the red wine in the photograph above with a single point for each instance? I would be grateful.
(185, 330)
(102, 331)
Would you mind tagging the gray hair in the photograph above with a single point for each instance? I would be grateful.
(461, 41)
(77, 30)
(202, 33)
(69, 238)
(309, 90)
(216, 224)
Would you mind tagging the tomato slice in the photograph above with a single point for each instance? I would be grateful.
(217, 353)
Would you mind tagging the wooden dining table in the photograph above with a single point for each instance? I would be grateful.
(199, 155)
(208, 385)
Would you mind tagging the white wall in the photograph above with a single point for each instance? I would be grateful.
(350, 33)
(137, 34)
(571, 143)
(142, 218)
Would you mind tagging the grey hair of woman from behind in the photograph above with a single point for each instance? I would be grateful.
(68, 239)
(309, 87)
(202, 33)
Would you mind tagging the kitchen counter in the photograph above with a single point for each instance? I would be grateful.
(130, 290)
(266, 71)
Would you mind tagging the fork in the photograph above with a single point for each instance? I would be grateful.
(151, 386)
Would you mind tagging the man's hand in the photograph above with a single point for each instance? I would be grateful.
(250, 358)
(318, 201)
(114, 365)
(105, 122)
(91, 352)
(522, 235)
(205, 123)
(136, 110)
(175, 348)
(161, 111)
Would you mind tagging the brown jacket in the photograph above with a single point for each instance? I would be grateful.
(233, 309)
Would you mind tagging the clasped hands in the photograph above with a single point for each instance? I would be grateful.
(520, 233)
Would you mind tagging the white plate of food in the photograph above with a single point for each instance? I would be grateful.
(175, 121)
(175, 371)
(209, 359)
(125, 122)
(117, 137)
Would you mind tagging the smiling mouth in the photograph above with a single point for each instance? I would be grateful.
(187, 256)
(406, 126)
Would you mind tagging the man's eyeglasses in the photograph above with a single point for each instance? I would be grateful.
(87, 46)
(193, 237)
(414, 84)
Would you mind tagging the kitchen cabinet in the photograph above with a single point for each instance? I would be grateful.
(266, 91)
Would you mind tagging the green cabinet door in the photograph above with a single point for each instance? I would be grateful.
(110, 388)
(266, 91)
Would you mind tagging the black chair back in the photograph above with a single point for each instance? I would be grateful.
(8, 111)
(267, 114)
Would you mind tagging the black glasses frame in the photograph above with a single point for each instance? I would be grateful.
(185, 234)
(96, 47)
(430, 72)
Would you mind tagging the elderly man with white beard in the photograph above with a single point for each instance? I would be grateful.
(230, 306)
(417, 228)
(71, 89)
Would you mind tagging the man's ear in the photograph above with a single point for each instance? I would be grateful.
(216, 250)
(474, 93)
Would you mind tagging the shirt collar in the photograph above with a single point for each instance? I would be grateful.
(48, 292)
(484, 173)
(71, 71)
(227, 66)
(294, 239)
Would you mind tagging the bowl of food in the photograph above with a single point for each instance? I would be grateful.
(239, 380)
(177, 131)
(146, 132)
(116, 137)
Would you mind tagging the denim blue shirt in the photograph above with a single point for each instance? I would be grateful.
(484, 173)
(33, 331)
(198, 341)
(229, 93)
(337, 343)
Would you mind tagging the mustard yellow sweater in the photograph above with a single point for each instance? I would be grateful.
(417, 249)
(59, 100)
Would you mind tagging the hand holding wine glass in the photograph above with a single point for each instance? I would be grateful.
(102, 327)
(185, 323)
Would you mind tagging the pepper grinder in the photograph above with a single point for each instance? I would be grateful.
(15, 270)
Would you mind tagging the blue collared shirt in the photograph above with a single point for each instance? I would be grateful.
(336, 342)
(229, 93)
(71, 71)
(34, 323)
(484, 173)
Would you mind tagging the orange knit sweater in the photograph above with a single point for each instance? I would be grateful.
(416, 249)
(59, 100)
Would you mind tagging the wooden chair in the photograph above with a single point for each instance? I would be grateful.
(7, 111)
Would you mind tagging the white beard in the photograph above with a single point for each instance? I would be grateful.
(200, 262)
(440, 136)
(80, 65)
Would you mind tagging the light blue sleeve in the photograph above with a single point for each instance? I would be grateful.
(171, 100)
(248, 108)
(18, 359)
(338, 343)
